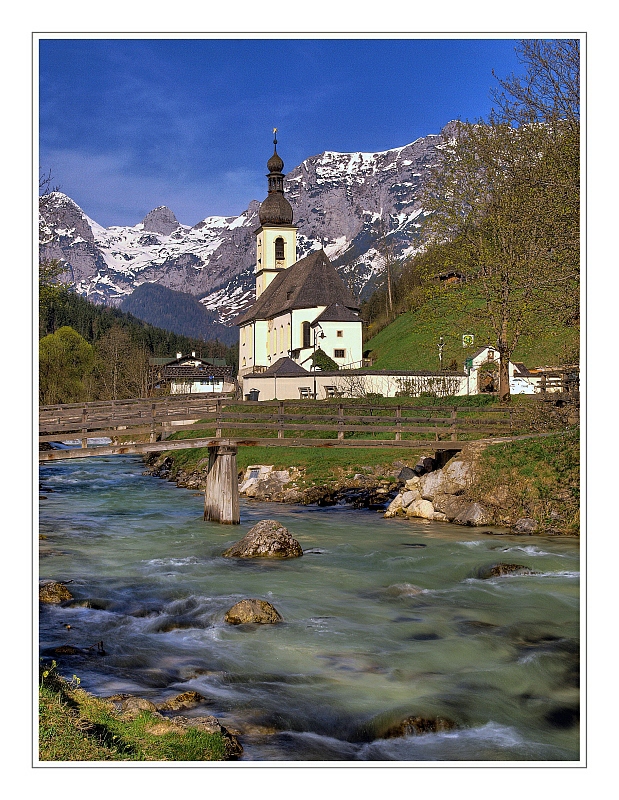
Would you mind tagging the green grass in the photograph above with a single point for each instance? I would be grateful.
(543, 476)
(75, 726)
(319, 465)
(411, 341)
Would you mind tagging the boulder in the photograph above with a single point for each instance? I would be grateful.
(420, 508)
(134, 706)
(416, 726)
(405, 474)
(52, 592)
(498, 570)
(252, 610)
(424, 465)
(409, 497)
(394, 508)
(525, 525)
(413, 483)
(452, 479)
(188, 699)
(262, 482)
(267, 539)
(474, 515)
(450, 505)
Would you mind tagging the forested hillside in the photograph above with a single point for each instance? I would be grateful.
(92, 352)
(176, 311)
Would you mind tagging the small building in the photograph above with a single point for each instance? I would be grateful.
(192, 374)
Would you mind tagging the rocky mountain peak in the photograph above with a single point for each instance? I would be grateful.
(161, 220)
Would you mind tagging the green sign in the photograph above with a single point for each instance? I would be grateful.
(467, 340)
(468, 365)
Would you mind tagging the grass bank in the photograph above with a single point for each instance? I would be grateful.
(75, 726)
(536, 478)
(411, 340)
(318, 466)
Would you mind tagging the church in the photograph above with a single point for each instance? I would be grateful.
(301, 306)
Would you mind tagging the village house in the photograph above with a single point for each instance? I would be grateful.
(192, 374)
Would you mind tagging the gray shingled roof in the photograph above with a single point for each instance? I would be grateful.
(337, 313)
(312, 281)
(285, 366)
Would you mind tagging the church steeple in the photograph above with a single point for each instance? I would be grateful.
(275, 210)
(276, 239)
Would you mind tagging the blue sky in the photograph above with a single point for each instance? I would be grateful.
(126, 125)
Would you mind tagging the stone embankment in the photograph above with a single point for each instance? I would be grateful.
(372, 489)
(440, 492)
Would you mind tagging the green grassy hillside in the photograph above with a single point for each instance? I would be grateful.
(411, 340)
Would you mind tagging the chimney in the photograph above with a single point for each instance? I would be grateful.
(179, 355)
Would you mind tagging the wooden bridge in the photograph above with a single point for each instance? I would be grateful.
(222, 425)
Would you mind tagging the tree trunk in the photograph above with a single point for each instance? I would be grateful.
(504, 393)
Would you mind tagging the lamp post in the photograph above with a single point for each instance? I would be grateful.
(318, 334)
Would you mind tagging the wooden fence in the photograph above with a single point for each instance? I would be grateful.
(147, 424)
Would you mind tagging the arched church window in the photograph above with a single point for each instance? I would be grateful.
(305, 334)
(279, 249)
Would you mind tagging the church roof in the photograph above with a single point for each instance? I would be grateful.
(285, 366)
(337, 313)
(312, 281)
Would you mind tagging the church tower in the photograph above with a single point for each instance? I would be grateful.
(276, 238)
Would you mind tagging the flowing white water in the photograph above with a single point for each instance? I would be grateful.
(383, 619)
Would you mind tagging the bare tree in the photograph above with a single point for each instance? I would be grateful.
(507, 197)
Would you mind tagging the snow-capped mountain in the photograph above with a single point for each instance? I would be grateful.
(344, 202)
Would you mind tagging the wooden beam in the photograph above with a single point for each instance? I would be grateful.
(221, 496)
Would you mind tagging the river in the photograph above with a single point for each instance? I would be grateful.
(360, 646)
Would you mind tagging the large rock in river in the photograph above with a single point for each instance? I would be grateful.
(252, 610)
(417, 726)
(53, 592)
(267, 539)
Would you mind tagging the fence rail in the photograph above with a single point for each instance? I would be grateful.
(147, 423)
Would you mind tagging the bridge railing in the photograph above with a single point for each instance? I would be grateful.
(275, 421)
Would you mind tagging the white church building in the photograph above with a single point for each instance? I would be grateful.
(301, 306)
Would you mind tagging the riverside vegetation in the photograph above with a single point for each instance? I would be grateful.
(76, 726)
(534, 478)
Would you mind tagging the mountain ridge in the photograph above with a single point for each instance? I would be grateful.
(345, 203)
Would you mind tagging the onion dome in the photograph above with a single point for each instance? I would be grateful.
(275, 209)
(275, 164)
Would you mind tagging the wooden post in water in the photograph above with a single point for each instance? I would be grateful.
(221, 496)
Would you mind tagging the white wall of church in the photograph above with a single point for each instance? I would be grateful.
(343, 342)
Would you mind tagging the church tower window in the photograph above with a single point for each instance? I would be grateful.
(279, 249)
(305, 334)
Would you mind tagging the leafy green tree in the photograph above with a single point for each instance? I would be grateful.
(322, 361)
(66, 361)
